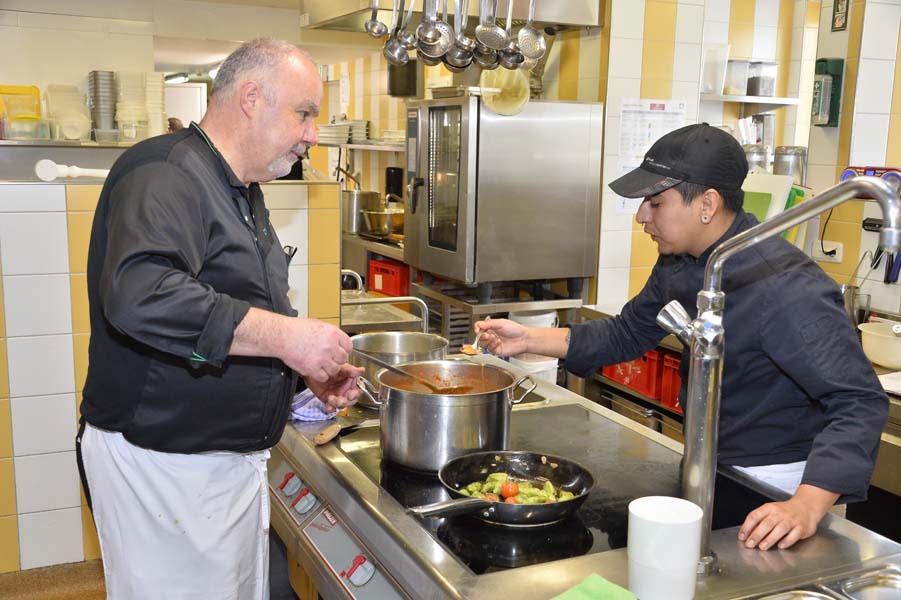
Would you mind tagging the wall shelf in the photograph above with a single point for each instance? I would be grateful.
(372, 147)
(752, 105)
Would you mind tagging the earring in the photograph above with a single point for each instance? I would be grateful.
(705, 219)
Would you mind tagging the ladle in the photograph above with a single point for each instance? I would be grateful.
(485, 57)
(531, 41)
(428, 33)
(394, 51)
(454, 389)
(488, 32)
(510, 57)
(459, 56)
(407, 37)
(373, 26)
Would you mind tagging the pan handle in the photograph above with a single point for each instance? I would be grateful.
(457, 506)
(523, 379)
(368, 390)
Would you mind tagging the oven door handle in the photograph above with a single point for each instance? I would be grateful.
(413, 188)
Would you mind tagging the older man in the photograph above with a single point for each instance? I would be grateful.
(194, 345)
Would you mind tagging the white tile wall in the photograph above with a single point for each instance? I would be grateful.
(869, 139)
(33, 243)
(47, 482)
(43, 424)
(40, 365)
(298, 294)
(291, 226)
(619, 89)
(688, 91)
(50, 538)
(589, 53)
(613, 286)
(625, 58)
(611, 219)
(764, 46)
(37, 304)
(687, 62)
(874, 86)
(32, 198)
(717, 10)
(882, 23)
(615, 249)
(588, 89)
(627, 19)
(689, 23)
(766, 13)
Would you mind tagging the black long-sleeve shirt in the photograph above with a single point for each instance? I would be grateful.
(180, 250)
(796, 384)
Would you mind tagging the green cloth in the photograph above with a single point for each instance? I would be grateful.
(595, 587)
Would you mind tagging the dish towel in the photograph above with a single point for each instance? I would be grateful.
(307, 407)
(595, 587)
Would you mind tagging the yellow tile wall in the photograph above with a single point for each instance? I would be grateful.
(6, 430)
(324, 291)
(4, 373)
(7, 487)
(9, 544)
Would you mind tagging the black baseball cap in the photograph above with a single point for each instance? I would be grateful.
(696, 153)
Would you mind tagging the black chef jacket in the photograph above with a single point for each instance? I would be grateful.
(796, 384)
(180, 250)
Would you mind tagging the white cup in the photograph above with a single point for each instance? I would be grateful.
(664, 547)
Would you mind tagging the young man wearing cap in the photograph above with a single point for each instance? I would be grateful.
(801, 406)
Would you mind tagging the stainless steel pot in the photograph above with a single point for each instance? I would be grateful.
(395, 347)
(423, 431)
(354, 201)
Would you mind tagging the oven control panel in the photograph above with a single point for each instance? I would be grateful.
(351, 566)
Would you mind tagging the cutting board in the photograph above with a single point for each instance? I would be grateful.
(761, 185)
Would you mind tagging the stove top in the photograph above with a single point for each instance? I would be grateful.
(623, 466)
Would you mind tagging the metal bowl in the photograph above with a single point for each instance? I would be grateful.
(383, 222)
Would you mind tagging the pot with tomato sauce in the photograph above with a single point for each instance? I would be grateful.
(423, 430)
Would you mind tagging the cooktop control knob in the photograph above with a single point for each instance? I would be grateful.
(290, 484)
(304, 501)
(360, 571)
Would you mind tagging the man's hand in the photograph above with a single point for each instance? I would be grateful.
(315, 349)
(502, 337)
(340, 390)
(784, 523)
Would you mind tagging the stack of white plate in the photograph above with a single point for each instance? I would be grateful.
(102, 97)
(155, 93)
(393, 137)
(359, 131)
(336, 133)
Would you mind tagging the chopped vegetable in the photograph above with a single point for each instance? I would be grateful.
(497, 485)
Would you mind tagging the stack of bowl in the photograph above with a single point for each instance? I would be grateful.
(102, 91)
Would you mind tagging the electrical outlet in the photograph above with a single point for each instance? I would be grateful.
(818, 252)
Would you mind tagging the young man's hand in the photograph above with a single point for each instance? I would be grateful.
(781, 524)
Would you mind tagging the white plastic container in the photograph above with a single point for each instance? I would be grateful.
(540, 367)
(881, 345)
(714, 75)
(736, 78)
(535, 318)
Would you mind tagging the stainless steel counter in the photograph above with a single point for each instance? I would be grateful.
(422, 567)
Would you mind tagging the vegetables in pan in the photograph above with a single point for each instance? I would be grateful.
(515, 491)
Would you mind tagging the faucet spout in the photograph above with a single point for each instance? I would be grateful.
(707, 335)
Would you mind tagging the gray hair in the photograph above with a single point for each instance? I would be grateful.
(262, 55)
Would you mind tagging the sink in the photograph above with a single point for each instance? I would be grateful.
(877, 584)
(800, 594)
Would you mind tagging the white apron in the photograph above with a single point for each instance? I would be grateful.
(179, 526)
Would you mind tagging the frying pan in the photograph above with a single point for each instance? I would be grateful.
(532, 466)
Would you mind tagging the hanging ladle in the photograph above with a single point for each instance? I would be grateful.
(531, 41)
(443, 390)
(373, 26)
(488, 31)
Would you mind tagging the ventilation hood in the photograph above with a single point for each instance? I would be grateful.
(349, 15)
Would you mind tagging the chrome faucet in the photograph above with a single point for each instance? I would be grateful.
(706, 336)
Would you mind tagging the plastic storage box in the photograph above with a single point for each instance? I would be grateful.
(736, 78)
(389, 277)
(642, 375)
(762, 78)
(671, 382)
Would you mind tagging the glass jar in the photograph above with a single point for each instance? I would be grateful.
(762, 78)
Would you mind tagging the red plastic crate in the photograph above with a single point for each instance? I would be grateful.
(642, 374)
(671, 383)
(389, 277)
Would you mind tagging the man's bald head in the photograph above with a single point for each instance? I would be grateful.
(258, 59)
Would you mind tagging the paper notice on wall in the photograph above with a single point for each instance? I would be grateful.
(643, 122)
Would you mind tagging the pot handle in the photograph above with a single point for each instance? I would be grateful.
(523, 379)
(456, 506)
(368, 390)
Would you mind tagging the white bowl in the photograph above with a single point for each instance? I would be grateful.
(881, 345)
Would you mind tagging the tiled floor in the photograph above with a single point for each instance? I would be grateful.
(77, 581)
